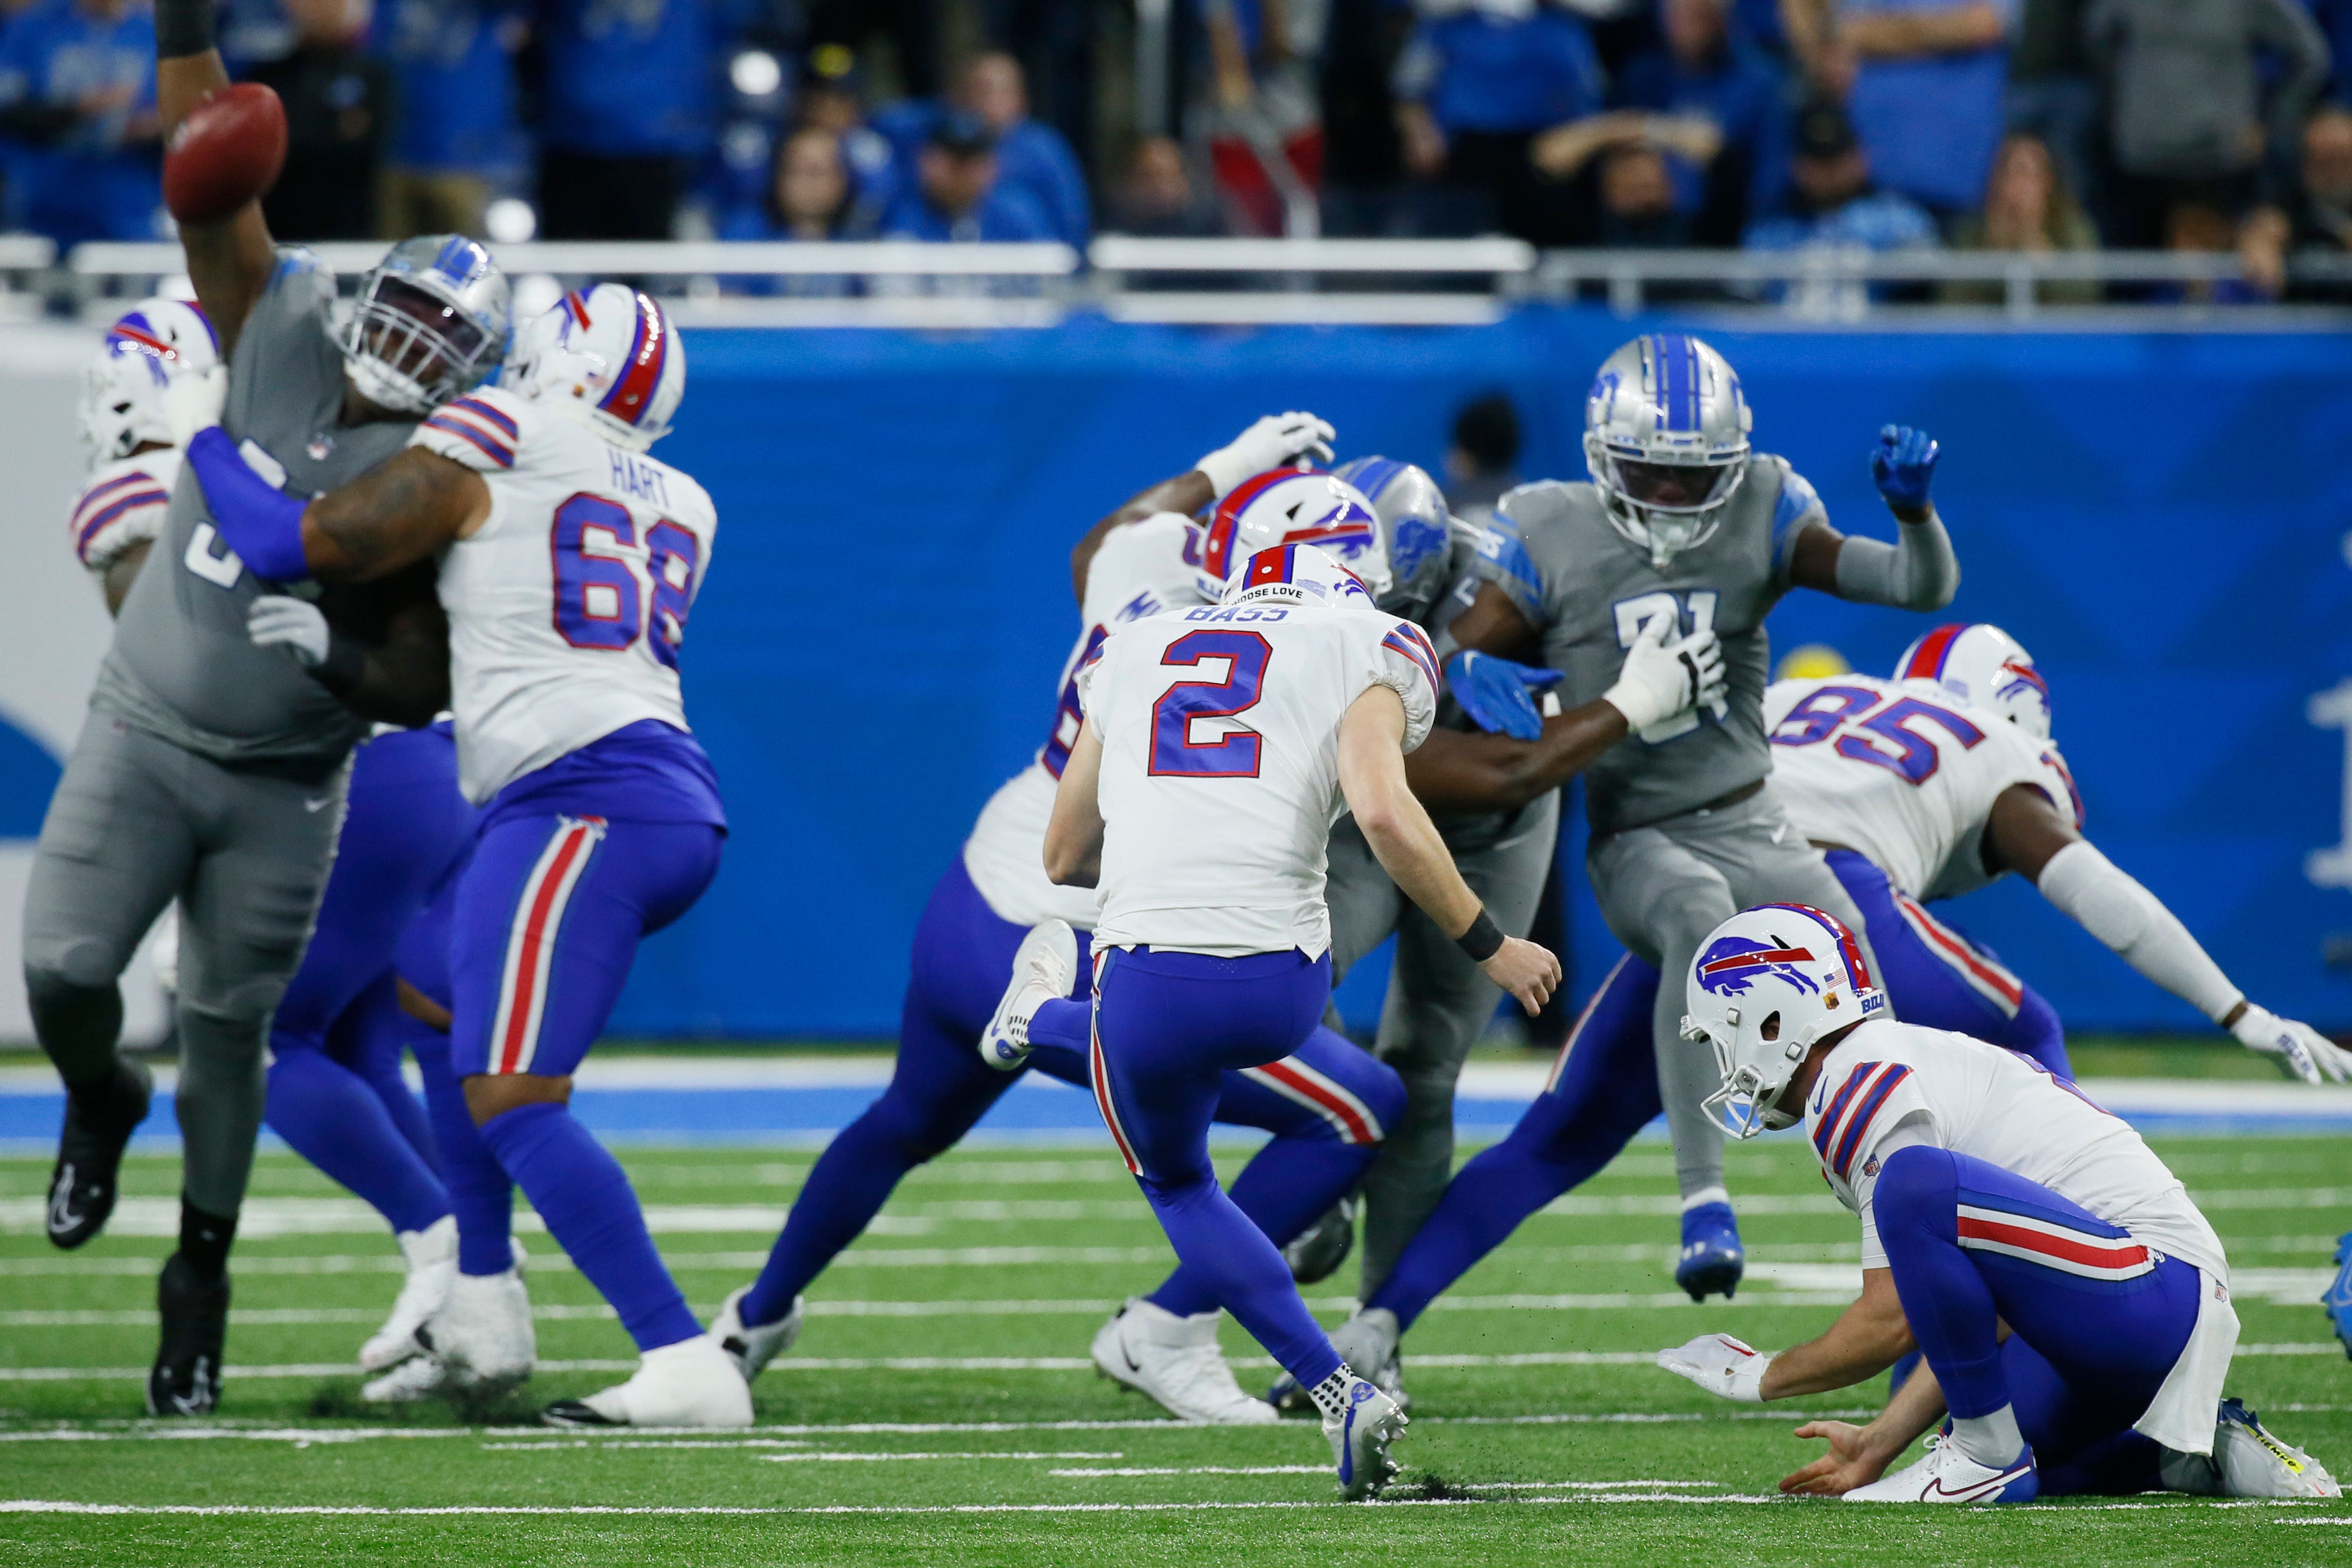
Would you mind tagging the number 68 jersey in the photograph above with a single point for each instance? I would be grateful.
(1904, 775)
(568, 608)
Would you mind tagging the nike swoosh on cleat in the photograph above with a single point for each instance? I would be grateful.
(1127, 1357)
(1936, 1487)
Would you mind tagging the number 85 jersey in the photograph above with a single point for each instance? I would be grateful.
(568, 608)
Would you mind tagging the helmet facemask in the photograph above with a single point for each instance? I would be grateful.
(1665, 509)
(410, 349)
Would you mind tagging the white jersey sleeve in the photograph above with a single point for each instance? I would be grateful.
(568, 608)
(122, 504)
(1220, 775)
(1903, 776)
(1141, 570)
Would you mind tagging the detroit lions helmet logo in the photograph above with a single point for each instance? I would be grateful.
(1731, 965)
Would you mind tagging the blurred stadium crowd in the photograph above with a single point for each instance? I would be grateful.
(2034, 125)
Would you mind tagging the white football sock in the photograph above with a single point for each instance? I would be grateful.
(1992, 1440)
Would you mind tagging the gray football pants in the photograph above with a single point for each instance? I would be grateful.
(1437, 1007)
(135, 822)
(1662, 889)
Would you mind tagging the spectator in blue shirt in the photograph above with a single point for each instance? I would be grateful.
(1709, 73)
(1929, 87)
(956, 196)
(1832, 204)
(1030, 157)
(630, 90)
(456, 133)
(809, 199)
(1474, 87)
(78, 121)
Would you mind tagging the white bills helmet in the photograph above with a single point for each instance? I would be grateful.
(1296, 574)
(1665, 437)
(1294, 506)
(1415, 524)
(150, 346)
(432, 322)
(1984, 667)
(1766, 985)
(607, 356)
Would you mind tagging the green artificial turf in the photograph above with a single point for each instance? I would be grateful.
(940, 1407)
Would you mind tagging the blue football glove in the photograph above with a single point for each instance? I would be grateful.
(1497, 694)
(1903, 462)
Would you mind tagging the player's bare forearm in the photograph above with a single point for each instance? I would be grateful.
(229, 262)
(395, 515)
(1186, 493)
(1867, 1338)
(1886, 35)
(1393, 822)
(1493, 624)
(1860, 1455)
(405, 678)
(1074, 834)
(121, 573)
(1456, 772)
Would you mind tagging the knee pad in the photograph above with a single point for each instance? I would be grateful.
(78, 964)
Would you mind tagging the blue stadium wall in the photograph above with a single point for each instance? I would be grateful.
(2159, 517)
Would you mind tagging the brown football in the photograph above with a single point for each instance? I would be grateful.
(227, 152)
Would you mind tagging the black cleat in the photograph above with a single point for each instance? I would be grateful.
(186, 1376)
(98, 1123)
(1316, 1253)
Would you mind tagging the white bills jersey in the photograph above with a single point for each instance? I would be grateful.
(1888, 1084)
(1903, 776)
(568, 608)
(1220, 766)
(1141, 569)
(122, 504)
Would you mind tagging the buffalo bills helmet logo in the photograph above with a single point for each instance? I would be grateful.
(1732, 964)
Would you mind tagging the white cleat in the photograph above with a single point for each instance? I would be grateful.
(1043, 967)
(1176, 1362)
(1360, 1433)
(753, 1347)
(1948, 1474)
(1368, 1343)
(483, 1333)
(2248, 1460)
(431, 1264)
(693, 1382)
(421, 1377)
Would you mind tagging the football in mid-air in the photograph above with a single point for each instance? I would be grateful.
(226, 152)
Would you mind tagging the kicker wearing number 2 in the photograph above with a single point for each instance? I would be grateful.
(1683, 522)
(212, 768)
(569, 563)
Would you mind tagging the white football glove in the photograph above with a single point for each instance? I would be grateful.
(1277, 439)
(2302, 1051)
(1662, 680)
(1720, 1365)
(192, 399)
(280, 620)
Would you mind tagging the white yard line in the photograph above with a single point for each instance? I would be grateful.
(875, 1459)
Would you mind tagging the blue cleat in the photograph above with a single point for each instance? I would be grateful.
(2337, 1297)
(1713, 1259)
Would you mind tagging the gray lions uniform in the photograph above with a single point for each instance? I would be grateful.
(1438, 1001)
(1684, 833)
(209, 768)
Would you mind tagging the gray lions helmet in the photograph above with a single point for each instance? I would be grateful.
(433, 322)
(1413, 517)
(1665, 437)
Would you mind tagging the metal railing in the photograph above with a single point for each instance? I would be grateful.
(1403, 282)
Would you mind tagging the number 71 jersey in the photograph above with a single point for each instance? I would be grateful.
(568, 610)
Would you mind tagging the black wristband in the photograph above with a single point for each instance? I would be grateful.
(1483, 940)
(345, 665)
(183, 27)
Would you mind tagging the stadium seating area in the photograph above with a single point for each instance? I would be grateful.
(2223, 127)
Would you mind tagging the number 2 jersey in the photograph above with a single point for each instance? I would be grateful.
(1903, 774)
(568, 608)
(1887, 1084)
(1220, 781)
(1141, 569)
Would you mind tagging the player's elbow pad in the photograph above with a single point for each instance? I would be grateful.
(1918, 571)
(2112, 905)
